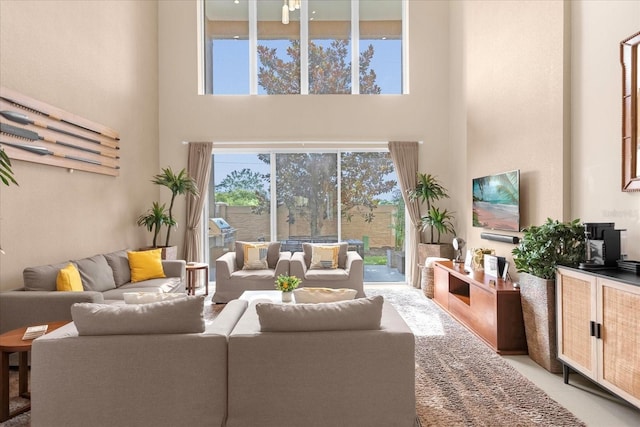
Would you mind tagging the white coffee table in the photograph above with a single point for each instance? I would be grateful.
(274, 295)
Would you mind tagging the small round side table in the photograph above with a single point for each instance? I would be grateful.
(11, 342)
(192, 269)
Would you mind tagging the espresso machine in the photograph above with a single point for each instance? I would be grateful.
(603, 246)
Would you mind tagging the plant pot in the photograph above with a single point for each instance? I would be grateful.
(437, 250)
(168, 252)
(538, 297)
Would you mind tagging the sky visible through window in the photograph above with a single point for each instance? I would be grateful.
(231, 65)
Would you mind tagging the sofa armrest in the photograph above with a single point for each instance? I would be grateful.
(283, 265)
(22, 308)
(174, 268)
(224, 323)
(354, 261)
(297, 267)
(225, 265)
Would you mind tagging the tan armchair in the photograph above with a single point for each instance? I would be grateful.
(348, 274)
(232, 280)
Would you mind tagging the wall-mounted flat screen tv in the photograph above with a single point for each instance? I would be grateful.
(496, 201)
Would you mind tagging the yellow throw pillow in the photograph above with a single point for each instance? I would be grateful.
(324, 257)
(145, 265)
(255, 256)
(69, 279)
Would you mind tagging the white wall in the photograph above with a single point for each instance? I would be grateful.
(598, 27)
(97, 60)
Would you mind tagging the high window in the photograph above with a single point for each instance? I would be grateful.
(304, 47)
(298, 197)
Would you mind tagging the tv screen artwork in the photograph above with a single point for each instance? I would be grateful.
(496, 201)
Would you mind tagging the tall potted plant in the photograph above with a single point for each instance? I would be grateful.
(540, 251)
(427, 191)
(179, 184)
(153, 220)
(6, 174)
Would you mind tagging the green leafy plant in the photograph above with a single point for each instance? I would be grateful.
(429, 190)
(6, 174)
(154, 219)
(286, 283)
(178, 184)
(544, 247)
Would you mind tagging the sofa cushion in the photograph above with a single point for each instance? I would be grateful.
(273, 253)
(119, 263)
(69, 279)
(255, 256)
(42, 278)
(145, 265)
(359, 314)
(316, 295)
(176, 316)
(95, 273)
(324, 257)
(307, 248)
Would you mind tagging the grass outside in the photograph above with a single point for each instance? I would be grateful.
(375, 260)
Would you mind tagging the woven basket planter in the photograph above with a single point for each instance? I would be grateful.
(427, 281)
(538, 297)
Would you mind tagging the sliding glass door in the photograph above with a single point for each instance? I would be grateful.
(320, 197)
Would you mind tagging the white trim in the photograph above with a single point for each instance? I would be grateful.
(405, 47)
(304, 48)
(273, 206)
(355, 47)
(253, 47)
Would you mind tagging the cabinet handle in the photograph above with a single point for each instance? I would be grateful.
(598, 331)
(593, 328)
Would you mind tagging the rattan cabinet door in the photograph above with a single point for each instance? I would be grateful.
(576, 310)
(619, 348)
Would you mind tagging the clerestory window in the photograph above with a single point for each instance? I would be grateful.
(276, 47)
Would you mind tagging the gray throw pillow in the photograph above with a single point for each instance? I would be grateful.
(119, 263)
(358, 314)
(175, 316)
(95, 273)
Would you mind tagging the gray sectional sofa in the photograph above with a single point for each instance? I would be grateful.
(105, 278)
(321, 365)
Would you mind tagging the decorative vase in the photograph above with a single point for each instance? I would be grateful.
(286, 296)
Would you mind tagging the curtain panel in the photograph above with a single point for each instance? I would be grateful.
(199, 168)
(404, 155)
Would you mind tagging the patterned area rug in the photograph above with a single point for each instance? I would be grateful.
(459, 380)
(462, 382)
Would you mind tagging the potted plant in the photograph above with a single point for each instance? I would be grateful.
(540, 251)
(153, 220)
(6, 174)
(427, 191)
(287, 284)
(178, 184)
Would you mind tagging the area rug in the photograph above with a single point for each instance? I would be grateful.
(459, 380)
(462, 382)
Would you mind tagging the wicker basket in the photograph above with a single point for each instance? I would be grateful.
(427, 281)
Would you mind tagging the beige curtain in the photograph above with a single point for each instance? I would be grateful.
(199, 168)
(405, 162)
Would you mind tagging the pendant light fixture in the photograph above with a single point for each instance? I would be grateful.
(285, 13)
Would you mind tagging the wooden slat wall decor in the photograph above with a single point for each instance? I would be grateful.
(33, 131)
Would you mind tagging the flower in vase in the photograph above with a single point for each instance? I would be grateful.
(286, 283)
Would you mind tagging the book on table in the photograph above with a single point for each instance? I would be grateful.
(33, 332)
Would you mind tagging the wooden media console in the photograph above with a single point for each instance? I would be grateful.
(488, 306)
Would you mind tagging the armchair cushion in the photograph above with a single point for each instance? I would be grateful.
(324, 256)
(307, 248)
(255, 256)
(359, 314)
(175, 316)
(273, 253)
(316, 295)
